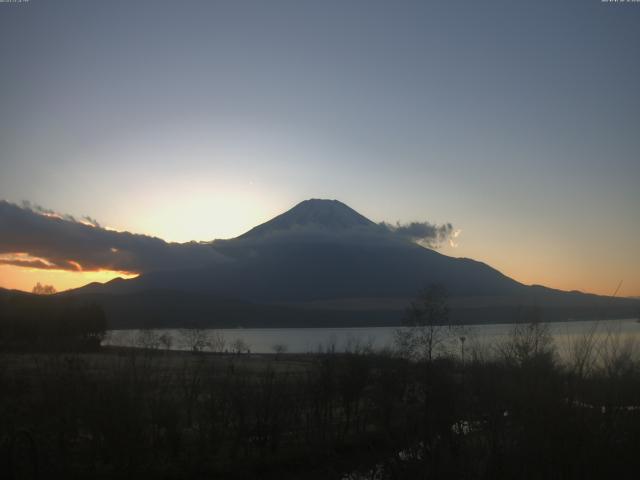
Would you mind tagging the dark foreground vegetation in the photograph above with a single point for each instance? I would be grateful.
(70, 409)
(162, 414)
(43, 322)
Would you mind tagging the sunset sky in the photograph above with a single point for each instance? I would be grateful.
(517, 122)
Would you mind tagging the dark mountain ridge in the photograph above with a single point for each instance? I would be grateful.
(323, 251)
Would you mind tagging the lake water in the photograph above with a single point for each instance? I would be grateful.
(308, 340)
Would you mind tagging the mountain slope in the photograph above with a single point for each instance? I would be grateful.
(330, 215)
(324, 251)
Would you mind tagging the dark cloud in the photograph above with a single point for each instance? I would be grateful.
(310, 234)
(36, 237)
(48, 240)
(38, 263)
(424, 233)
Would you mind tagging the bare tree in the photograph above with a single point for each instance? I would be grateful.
(279, 349)
(195, 339)
(426, 324)
(618, 352)
(40, 289)
(581, 352)
(166, 341)
(239, 346)
(148, 340)
(217, 342)
(528, 341)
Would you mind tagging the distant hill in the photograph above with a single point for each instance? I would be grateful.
(4, 292)
(323, 263)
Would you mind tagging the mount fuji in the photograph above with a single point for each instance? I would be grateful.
(321, 263)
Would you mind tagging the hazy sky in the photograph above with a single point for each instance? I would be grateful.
(516, 121)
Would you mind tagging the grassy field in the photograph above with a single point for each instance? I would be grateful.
(135, 413)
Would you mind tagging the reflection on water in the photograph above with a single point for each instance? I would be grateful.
(566, 336)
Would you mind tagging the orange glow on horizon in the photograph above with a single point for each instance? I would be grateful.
(24, 278)
(562, 269)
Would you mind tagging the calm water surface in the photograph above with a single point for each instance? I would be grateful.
(304, 340)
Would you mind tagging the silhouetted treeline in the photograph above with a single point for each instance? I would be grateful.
(516, 413)
(42, 322)
(169, 309)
